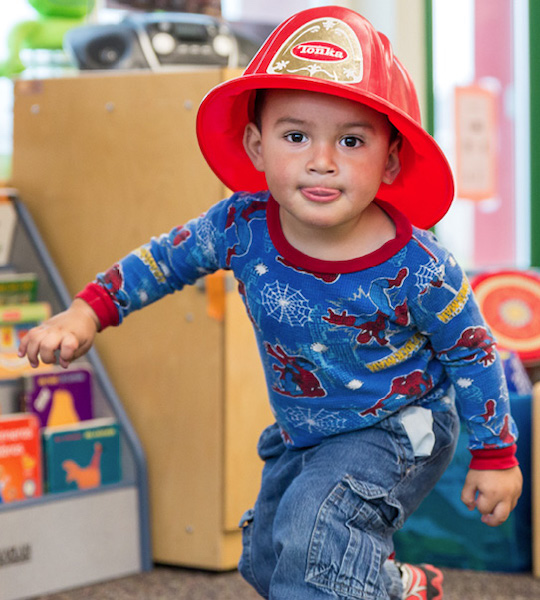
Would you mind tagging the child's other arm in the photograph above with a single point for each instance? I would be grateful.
(494, 492)
(69, 334)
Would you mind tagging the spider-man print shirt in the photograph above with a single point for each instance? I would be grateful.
(343, 344)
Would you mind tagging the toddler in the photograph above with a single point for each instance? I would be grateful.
(368, 331)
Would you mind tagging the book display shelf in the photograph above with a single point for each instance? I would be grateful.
(103, 162)
(62, 540)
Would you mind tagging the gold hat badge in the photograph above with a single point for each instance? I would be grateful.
(326, 48)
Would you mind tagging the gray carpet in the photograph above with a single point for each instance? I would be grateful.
(171, 583)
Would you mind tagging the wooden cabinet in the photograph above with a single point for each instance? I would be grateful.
(103, 162)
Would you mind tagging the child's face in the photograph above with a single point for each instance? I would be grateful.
(324, 157)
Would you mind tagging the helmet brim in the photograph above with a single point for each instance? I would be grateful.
(423, 190)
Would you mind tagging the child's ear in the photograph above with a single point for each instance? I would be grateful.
(253, 145)
(393, 164)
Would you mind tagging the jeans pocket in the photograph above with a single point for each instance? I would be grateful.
(352, 539)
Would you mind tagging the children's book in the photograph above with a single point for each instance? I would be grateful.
(15, 322)
(82, 456)
(8, 224)
(20, 458)
(60, 397)
(18, 288)
(12, 367)
(24, 312)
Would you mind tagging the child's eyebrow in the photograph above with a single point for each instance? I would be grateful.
(358, 125)
(291, 121)
(302, 122)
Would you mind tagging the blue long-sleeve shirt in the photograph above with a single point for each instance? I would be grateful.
(343, 344)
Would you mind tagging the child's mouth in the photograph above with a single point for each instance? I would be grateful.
(320, 194)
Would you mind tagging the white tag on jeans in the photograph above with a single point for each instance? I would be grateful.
(418, 423)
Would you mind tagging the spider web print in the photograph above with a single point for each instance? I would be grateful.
(322, 421)
(285, 304)
(206, 232)
(427, 275)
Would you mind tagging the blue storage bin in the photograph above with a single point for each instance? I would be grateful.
(445, 533)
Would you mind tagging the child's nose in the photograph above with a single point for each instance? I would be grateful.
(322, 159)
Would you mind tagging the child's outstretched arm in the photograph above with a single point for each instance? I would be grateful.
(66, 336)
(495, 493)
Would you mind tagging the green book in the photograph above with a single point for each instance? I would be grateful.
(18, 288)
(30, 312)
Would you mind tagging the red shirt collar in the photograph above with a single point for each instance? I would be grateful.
(316, 265)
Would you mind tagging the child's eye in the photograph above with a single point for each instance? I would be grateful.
(351, 141)
(296, 137)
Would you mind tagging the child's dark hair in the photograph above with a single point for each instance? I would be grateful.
(258, 105)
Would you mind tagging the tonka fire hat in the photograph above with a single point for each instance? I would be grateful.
(335, 51)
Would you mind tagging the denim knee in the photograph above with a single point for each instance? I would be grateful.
(351, 540)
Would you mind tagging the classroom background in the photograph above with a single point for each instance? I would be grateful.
(127, 475)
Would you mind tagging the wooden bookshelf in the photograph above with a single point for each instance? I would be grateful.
(105, 161)
(64, 540)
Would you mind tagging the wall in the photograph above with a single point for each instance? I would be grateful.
(402, 22)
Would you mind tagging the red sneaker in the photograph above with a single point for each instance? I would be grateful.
(423, 582)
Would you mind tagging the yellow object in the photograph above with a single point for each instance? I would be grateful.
(63, 409)
(28, 462)
(215, 295)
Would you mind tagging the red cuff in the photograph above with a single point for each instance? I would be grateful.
(101, 303)
(494, 459)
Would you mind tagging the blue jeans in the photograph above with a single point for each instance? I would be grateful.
(323, 523)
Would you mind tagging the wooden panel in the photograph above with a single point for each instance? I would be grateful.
(103, 162)
(247, 412)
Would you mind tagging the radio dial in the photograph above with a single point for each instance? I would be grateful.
(163, 43)
(223, 45)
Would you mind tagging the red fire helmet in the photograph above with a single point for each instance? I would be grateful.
(332, 50)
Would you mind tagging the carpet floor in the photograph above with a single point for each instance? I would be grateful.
(173, 583)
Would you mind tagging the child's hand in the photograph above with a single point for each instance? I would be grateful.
(494, 493)
(67, 335)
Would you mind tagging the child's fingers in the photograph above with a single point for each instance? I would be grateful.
(468, 495)
(30, 345)
(497, 515)
(68, 348)
(494, 492)
(46, 346)
(495, 512)
(24, 342)
(44, 343)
